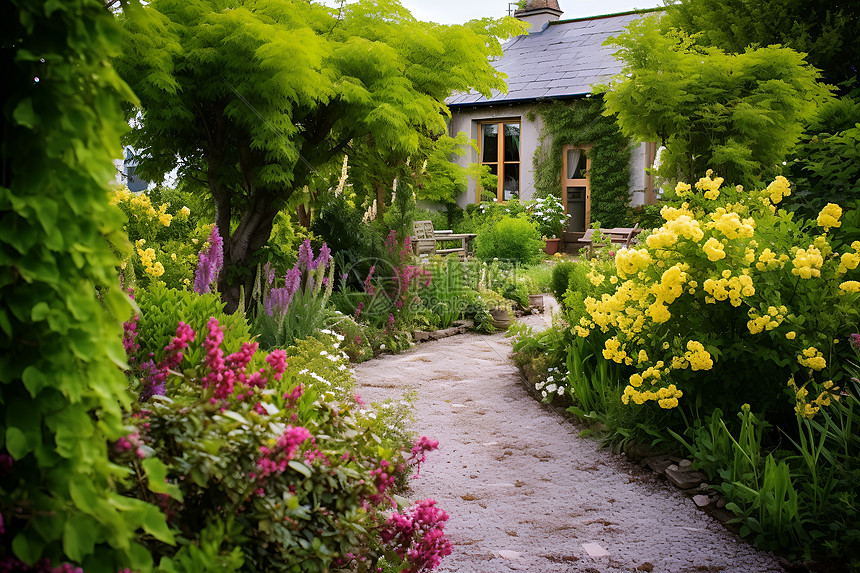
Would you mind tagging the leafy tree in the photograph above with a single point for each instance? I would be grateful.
(739, 114)
(255, 98)
(62, 390)
(826, 31)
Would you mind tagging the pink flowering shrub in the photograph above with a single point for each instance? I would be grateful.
(417, 536)
(270, 457)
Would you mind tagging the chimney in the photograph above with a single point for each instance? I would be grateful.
(539, 12)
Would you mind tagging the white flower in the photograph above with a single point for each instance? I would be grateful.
(550, 379)
(382, 347)
(560, 390)
(543, 393)
(540, 385)
(551, 388)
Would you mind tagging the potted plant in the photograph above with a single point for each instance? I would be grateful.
(549, 217)
(500, 308)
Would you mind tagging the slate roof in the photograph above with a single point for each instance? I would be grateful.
(564, 59)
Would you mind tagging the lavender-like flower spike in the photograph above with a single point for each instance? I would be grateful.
(306, 256)
(292, 280)
(209, 263)
(324, 257)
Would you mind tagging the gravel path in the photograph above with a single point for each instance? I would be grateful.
(524, 492)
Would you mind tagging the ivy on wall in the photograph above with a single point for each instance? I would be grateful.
(580, 122)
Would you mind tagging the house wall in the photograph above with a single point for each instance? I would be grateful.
(467, 120)
(638, 177)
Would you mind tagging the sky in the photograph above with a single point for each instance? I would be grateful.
(460, 11)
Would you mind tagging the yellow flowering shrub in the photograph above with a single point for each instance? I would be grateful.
(166, 241)
(730, 297)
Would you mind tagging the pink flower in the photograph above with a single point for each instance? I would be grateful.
(419, 452)
(277, 359)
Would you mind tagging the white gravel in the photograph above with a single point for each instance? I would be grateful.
(524, 492)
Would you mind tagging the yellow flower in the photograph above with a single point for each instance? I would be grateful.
(807, 263)
(791, 335)
(714, 249)
(185, 211)
(849, 287)
(812, 358)
(682, 188)
(778, 189)
(697, 356)
(850, 260)
(829, 216)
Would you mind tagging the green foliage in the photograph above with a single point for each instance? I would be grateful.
(511, 239)
(578, 123)
(538, 278)
(62, 392)
(561, 278)
(241, 494)
(443, 296)
(220, 101)
(825, 166)
(825, 31)
(355, 245)
(739, 114)
(162, 308)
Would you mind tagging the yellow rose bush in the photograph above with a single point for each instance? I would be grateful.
(165, 241)
(727, 300)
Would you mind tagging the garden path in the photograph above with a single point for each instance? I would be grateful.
(524, 491)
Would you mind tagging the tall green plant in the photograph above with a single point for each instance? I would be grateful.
(739, 114)
(62, 391)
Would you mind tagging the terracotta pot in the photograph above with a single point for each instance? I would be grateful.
(551, 246)
(501, 318)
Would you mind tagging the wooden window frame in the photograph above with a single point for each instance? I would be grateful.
(577, 182)
(500, 185)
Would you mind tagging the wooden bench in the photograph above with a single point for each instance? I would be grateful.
(627, 236)
(425, 240)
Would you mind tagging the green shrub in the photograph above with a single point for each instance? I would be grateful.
(356, 246)
(281, 472)
(511, 239)
(561, 279)
(539, 278)
(162, 308)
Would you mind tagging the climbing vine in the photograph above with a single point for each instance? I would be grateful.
(581, 122)
(62, 390)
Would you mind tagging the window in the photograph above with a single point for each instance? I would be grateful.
(502, 155)
(575, 186)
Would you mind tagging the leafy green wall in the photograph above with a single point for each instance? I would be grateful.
(580, 122)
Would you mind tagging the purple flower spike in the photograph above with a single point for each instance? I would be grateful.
(324, 257)
(306, 256)
(209, 263)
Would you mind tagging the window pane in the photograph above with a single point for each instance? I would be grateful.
(490, 143)
(582, 166)
(576, 209)
(512, 181)
(572, 162)
(512, 142)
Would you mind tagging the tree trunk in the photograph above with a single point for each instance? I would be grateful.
(304, 216)
(250, 235)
